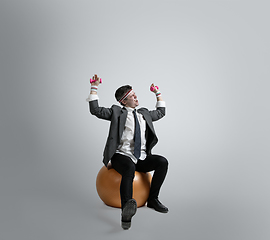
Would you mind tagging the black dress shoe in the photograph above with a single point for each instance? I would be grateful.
(157, 205)
(128, 212)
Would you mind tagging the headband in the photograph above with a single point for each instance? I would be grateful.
(126, 95)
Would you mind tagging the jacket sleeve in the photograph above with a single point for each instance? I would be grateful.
(100, 112)
(157, 114)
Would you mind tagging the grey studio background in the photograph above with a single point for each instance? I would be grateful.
(211, 62)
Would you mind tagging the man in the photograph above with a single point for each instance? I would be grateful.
(129, 144)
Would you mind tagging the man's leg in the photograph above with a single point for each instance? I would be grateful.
(160, 166)
(126, 167)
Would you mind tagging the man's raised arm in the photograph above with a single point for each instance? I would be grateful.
(160, 111)
(95, 109)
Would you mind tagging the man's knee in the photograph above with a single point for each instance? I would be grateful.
(163, 162)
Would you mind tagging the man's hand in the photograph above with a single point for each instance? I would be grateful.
(97, 80)
(155, 88)
(94, 84)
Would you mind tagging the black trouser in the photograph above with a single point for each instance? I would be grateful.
(126, 167)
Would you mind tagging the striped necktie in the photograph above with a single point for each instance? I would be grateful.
(137, 137)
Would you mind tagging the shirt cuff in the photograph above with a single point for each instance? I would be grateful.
(92, 97)
(160, 104)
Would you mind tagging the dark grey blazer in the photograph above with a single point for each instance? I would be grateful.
(117, 116)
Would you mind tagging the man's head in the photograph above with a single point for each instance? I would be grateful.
(126, 96)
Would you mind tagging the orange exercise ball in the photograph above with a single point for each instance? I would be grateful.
(108, 187)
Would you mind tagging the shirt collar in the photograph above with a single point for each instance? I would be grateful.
(129, 109)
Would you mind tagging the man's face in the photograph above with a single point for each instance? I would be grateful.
(131, 101)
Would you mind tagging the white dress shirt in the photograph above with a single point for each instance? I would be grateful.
(126, 146)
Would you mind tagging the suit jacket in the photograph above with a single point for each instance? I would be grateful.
(117, 116)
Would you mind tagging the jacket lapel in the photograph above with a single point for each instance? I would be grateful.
(122, 122)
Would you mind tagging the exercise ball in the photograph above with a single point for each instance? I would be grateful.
(108, 187)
